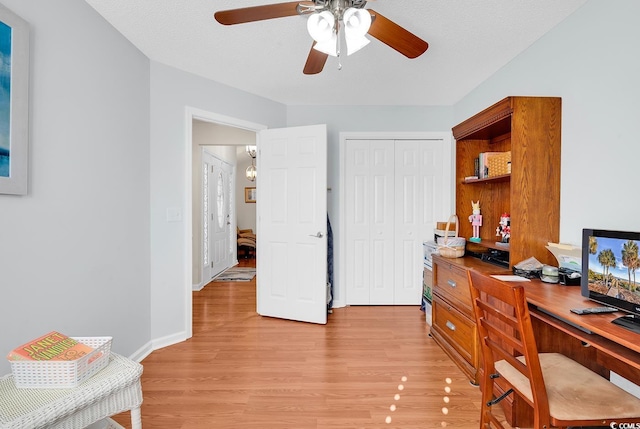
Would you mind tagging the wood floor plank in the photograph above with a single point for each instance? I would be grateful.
(240, 370)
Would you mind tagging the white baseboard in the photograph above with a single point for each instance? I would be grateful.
(157, 344)
(338, 304)
(169, 340)
(142, 352)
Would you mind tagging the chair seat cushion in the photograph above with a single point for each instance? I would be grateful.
(246, 242)
(575, 392)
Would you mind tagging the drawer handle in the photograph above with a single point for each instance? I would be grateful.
(451, 326)
(451, 283)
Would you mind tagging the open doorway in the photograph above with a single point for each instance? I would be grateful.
(226, 138)
(310, 145)
(246, 202)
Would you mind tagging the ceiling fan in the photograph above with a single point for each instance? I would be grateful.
(326, 19)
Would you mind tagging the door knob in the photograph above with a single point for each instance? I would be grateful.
(318, 235)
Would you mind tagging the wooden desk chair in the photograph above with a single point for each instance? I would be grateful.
(561, 392)
(246, 242)
(246, 233)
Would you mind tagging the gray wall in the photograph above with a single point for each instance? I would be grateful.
(591, 61)
(75, 250)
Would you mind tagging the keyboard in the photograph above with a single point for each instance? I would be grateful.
(593, 310)
(565, 320)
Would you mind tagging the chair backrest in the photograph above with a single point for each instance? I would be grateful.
(506, 333)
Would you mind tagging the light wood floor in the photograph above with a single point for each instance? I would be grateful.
(241, 370)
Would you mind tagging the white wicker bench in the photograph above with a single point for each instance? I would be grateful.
(114, 389)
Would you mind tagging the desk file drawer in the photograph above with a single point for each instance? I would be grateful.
(458, 331)
(452, 282)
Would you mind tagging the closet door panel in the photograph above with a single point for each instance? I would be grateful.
(369, 213)
(357, 214)
(382, 228)
(395, 191)
(418, 197)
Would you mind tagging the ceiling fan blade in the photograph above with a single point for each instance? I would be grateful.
(256, 13)
(390, 33)
(315, 61)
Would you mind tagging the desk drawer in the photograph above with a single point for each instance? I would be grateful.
(452, 283)
(457, 330)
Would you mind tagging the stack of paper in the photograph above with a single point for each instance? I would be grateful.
(567, 255)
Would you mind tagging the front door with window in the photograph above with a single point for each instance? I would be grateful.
(217, 212)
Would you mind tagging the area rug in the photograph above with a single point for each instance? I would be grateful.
(236, 274)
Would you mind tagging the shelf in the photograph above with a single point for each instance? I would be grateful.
(500, 178)
(488, 244)
(107, 423)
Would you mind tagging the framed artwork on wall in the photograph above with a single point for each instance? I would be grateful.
(250, 194)
(14, 103)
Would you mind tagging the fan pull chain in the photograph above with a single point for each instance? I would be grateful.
(338, 46)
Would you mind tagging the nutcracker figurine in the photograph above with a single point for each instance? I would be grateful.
(504, 228)
(476, 221)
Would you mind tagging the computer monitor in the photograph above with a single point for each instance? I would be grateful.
(610, 262)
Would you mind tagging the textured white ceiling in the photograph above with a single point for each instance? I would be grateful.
(469, 40)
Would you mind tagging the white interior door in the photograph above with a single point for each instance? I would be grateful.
(292, 223)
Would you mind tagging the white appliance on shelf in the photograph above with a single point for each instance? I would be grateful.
(428, 248)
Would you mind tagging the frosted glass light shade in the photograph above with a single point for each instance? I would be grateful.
(321, 26)
(356, 21)
(356, 24)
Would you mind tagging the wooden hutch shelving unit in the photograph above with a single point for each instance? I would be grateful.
(530, 128)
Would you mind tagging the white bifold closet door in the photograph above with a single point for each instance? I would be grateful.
(394, 196)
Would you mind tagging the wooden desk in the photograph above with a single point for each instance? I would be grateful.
(607, 347)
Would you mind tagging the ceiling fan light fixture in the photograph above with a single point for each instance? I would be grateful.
(325, 21)
(321, 26)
